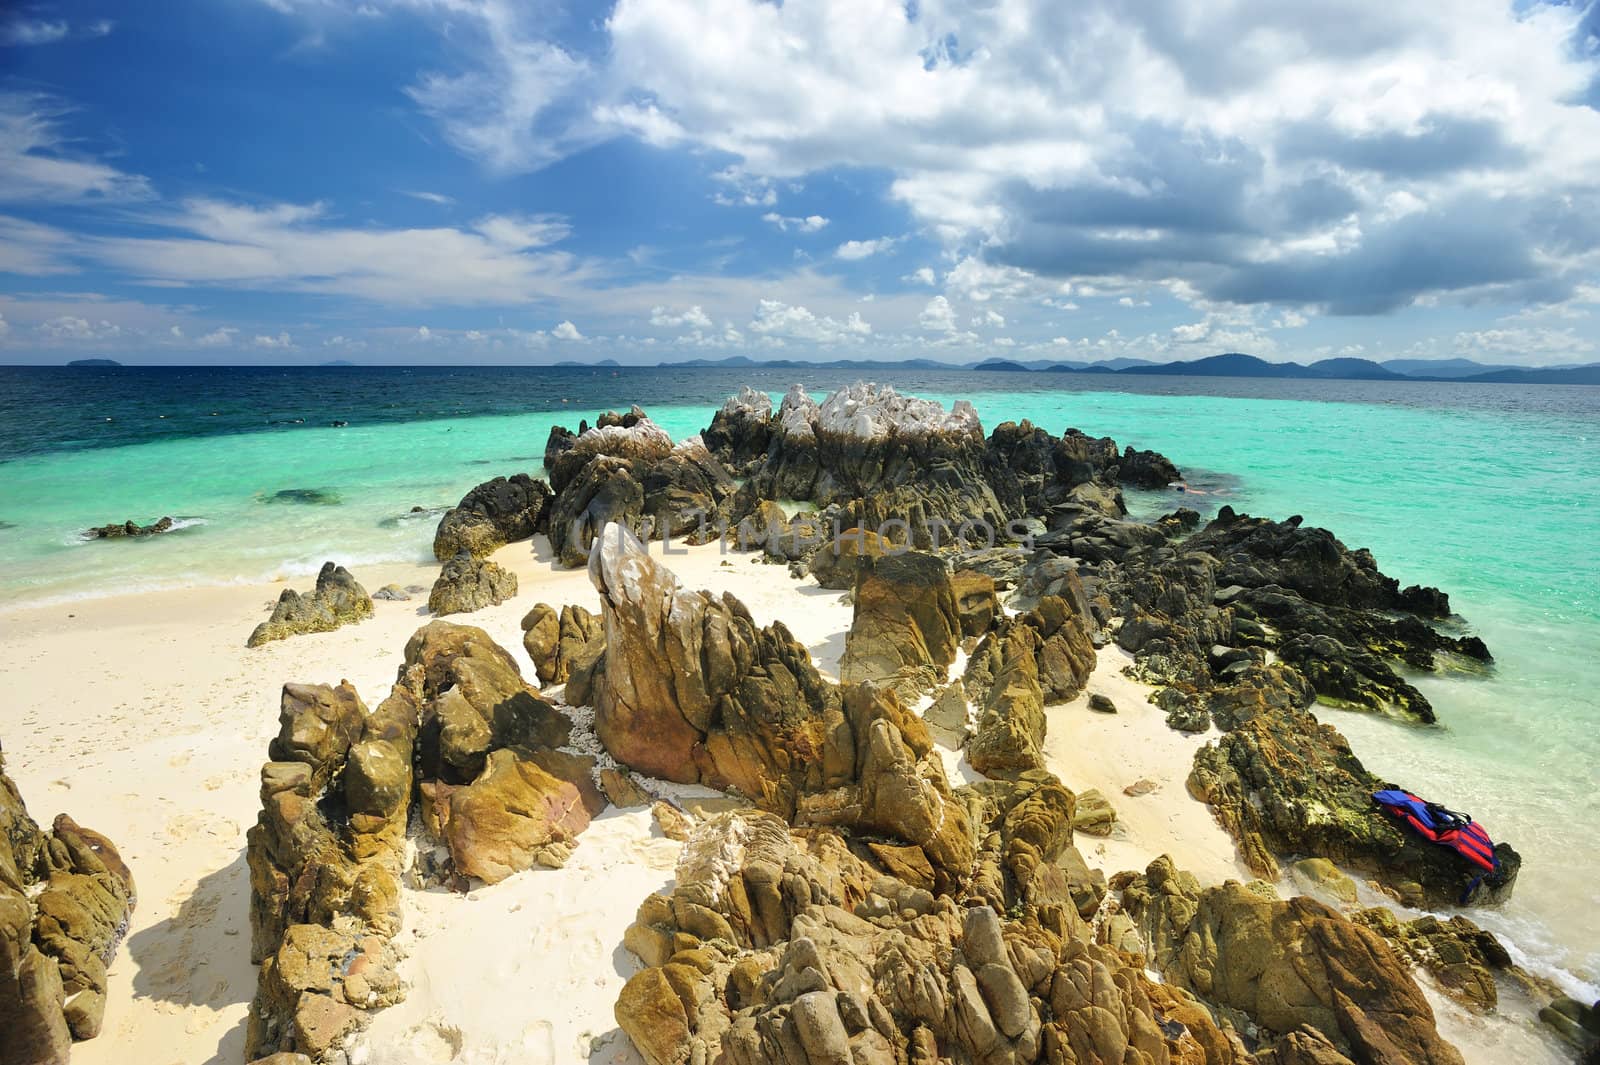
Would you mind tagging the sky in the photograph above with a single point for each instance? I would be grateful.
(515, 181)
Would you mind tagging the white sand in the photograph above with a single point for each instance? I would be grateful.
(146, 718)
(1109, 752)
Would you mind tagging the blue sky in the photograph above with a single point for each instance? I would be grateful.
(485, 181)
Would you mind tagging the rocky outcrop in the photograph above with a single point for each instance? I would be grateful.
(626, 469)
(66, 898)
(741, 430)
(780, 946)
(838, 562)
(336, 600)
(1286, 964)
(493, 514)
(461, 741)
(690, 690)
(128, 528)
(556, 642)
(888, 457)
(1283, 782)
(1463, 959)
(1044, 656)
(466, 584)
(1034, 472)
(907, 624)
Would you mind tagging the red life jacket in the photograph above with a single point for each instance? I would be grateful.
(1437, 825)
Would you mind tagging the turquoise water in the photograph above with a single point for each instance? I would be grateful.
(1492, 497)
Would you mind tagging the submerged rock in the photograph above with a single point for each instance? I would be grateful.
(66, 899)
(311, 497)
(466, 584)
(493, 514)
(336, 600)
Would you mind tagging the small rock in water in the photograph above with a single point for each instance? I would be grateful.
(1102, 704)
(129, 528)
(321, 497)
(392, 592)
(1140, 787)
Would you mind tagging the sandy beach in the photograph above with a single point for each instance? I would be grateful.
(147, 718)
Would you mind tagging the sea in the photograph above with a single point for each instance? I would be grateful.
(1491, 492)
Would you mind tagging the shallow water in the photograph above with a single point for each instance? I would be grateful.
(1485, 491)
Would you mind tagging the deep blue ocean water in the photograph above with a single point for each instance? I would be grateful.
(1491, 492)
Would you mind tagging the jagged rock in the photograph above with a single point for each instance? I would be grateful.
(1284, 782)
(838, 562)
(898, 461)
(556, 642)
(1003, 677)
(66, 898)
(604, 490)
(1462, 958)
(761, 954)
(1575, 1022)
(1286, 964)
(742, 429)
(692, 691)
(335, 601)
(673, 822)
(521, 811)
(129, 528)
(683, 490)
(491, 515)
(976, 603)
(906, 627)
(947, 717)
(1044, 656)
(466, 584)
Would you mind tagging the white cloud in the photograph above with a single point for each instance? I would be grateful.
(221, 337)
(922, 276)
(990, 318)
(5, 328)
(861, 249)
(279, 342)
(778, 321)
(424, 334)
(37, 167)
(438, 198)
(809, 224)
(694, 317)
(500, 259)
(72, 328)
(24, 32)
(1526, 345)
(744, 190)
(566, 331)
(938, 316)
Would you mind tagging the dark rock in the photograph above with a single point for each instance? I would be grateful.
(466, 584)
(491, 515)
(311, 497)
(128, 528)
(741, 430)
(1101, 703)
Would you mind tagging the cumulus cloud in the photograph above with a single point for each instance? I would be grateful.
(220, 337)
(861, 249)
(694, 318)
(566, 331)
(776, 320)
(811, 223)
(279, 342)
(938, 316)
(1191, 146)
(922, 276)
(72, 328)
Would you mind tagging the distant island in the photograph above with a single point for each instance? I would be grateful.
(338, 362)
(1231, 364)
(94, 362)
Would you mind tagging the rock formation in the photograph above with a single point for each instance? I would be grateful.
(336, 600)
(690, 690)
(556, 642)
(741, 430)
(493, 514)
(466, 584)
(907, 623)
(65, 901)
(1283, 782)
(127, 529)
(462, 741)
(1286, 964)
